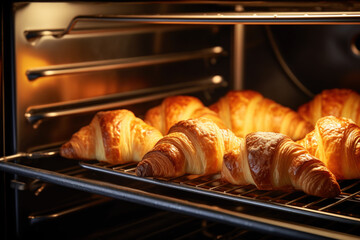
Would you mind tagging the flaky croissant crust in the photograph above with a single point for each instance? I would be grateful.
(193, 146)
(332, 102)
(248, 111)
(113, 136)
(273, 161)
(176, 108)
(336, 142)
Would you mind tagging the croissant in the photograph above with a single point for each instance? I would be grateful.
(112, 136)
(336, 142)
(248, 111)
(334, 102)
(176, 108)
(272, 161)
(193, 146)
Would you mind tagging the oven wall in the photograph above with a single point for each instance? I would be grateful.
(67, 101)
(317, 56)
(86, 43)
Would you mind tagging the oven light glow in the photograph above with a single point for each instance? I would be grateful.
(218, 49)
(217, 79)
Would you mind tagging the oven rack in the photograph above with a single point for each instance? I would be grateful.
(36, 114)
(103, 65)
(212, 185)
(245, 212)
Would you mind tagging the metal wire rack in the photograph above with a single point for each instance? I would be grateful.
(344, 208)
(275, 213)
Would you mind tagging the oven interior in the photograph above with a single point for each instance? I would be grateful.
(63, 62)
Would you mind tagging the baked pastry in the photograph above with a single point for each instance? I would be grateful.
(332, 102)
(112, 136)
(272, 161)
(193, 146)
(336, 142)
(176, 108)
(248, 111)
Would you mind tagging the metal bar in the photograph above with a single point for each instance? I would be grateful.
(69, 169)
(350, 186)
(249, 191)
(238, 54)
(263, 194)
(314, 202)
(207, 182)
(337, 202)
(235, 197)
(190, 180)
(243, 18)
(296, 199)
(103, 65)
(281, 196)
(221, 185)
(355, 198)
(130, 170)
(40, 218)
(35, 114)
(225, 216)
(123, 166)
(76, 172)
(233, 189)
(335, 17)
(340, 201)
(31, 35)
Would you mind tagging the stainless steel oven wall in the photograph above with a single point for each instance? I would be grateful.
(71, 61)
(291, 63)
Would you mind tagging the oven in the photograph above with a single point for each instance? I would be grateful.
(64, 61)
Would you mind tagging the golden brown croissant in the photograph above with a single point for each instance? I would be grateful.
(112, 136)
(272, 161)
(248, 111)
(176, 108)
(193, 146)
(336, 142)
(332, 102)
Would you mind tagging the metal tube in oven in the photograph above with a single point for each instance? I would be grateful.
(103, 65)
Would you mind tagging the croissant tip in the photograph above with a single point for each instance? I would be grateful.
(67, 150)
(144, 170)
(336, 191)
(331, 194)
(333, 190)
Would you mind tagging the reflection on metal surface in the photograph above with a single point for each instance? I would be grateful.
(223, 18)
(35, 114)
(104, 65)
(221, 211)
(212, 185)
(32, 35)
(100, 58)
(78, 206)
